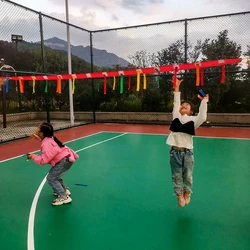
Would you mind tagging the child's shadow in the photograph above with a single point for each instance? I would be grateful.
(184, 235)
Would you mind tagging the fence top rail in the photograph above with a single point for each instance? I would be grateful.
(40, 13)
(169, 22)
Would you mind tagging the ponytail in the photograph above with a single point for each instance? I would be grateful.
(59, 143)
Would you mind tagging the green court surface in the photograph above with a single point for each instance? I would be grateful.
(128, 203)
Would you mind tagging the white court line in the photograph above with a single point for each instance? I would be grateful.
(12, 158)
(30, 239)
(199, 136)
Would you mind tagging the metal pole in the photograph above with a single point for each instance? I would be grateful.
(44, 65)
(186, 51)
(71, 105)
(92, 80)
(3, 98)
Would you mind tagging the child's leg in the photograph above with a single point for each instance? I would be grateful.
(55, 174)
(176, 159)
(188, 174)
(188, 170)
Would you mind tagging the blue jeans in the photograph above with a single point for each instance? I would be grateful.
(182, 164)
(54, 177)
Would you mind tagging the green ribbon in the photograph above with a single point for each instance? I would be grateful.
(46, 86)
(121, 84)
(158, 82)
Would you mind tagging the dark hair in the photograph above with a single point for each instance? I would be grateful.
(48, 131)
(191, 105)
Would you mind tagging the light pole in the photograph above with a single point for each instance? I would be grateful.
(71, 105)
(16, 39)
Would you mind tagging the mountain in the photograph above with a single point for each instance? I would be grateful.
(101, 58)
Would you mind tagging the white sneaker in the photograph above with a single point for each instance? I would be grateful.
(67, 192)
(60, 201)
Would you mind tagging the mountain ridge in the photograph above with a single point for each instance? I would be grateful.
(101, 57)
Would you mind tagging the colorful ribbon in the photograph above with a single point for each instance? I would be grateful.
(21, 85)
(138, 80)
(33, 84)
(129, 82)
(73, 84)
(144, 81)
(59, 85)
(158, 81)
(46, 86)
(104, 85)
(114, 82)
(202, 76)
(175, 77)
(7, 85)
(223, 74)
(121, 84)
(197, 74)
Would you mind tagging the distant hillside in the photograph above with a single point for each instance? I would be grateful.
(101, 58)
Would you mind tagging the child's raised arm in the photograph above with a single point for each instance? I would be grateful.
(202, 115)
(177, 99)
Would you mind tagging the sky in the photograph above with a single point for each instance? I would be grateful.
(98, 14)
(101, 14)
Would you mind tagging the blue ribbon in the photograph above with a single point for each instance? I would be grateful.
(7, 85)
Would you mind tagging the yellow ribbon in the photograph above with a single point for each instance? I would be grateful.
(144, 81)
(138, 80)
(33, 85)
(114, 83)
(73, 84)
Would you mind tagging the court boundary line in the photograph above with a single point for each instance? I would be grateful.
(199, 136)
(30, 234)
(12, 158)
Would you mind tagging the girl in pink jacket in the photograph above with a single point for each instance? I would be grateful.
(59, 156)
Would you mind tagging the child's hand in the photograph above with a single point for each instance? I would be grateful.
(206, 97)
(178, 83)
(29, 156)
(34, 136)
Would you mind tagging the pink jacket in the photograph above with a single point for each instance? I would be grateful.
(52, 153)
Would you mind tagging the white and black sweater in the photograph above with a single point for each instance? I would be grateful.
(183, 126)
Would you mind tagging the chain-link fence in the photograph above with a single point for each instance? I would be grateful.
(184, 41)
(34, 42)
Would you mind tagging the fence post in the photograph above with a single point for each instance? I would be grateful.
(44, 66)
(92, 80)
(186, 51)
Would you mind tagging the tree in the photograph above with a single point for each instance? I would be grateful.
(142, 59)
(220, 48)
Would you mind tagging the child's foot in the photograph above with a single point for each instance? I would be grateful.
(181, 200)
(61, 200)
(67, 192)
(187, 197)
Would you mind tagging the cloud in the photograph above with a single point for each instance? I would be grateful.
(98, 4)
(138, 5)
(115, 18)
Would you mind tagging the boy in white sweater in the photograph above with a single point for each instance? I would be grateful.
(181, 141)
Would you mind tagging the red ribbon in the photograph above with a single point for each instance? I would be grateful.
(202, 76)
(104, 85)
(223, 74)
(129, 83)
(175, 77)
